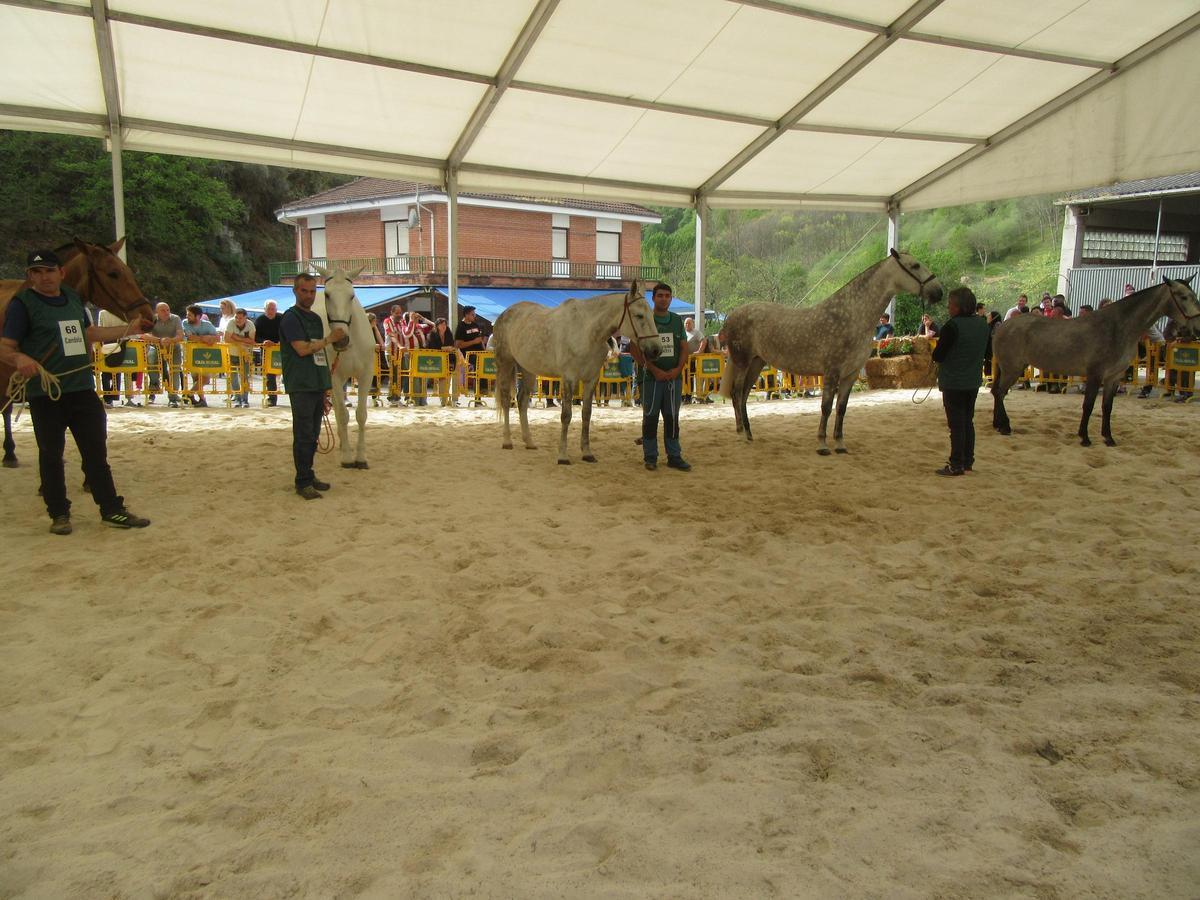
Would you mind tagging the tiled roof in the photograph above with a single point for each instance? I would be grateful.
(1141, 188)
(381, 188)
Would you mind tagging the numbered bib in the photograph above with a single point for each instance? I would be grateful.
(73, 341)
(666, 344)
(319, 357)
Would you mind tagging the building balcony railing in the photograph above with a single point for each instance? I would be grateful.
(421, 266)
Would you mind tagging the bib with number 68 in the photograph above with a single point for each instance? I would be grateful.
(74, 343)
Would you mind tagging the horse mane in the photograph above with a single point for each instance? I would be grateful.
(860, 278)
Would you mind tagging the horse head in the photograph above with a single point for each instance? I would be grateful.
(1184, 308)
(103, 278)
(641, 327)
(340, 301)
(928, 288)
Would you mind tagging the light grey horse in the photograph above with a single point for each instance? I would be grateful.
(568, 342)
(1098, 347)
(832, 339)
(351, 357)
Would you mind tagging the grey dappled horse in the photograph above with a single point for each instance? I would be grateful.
(351, 357)
(568, 342)
(1097, 346)
(832, 339)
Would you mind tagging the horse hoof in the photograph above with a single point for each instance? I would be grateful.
(531, 446)
(1085, 442)
(361, 464)
(589, 458)
(564, 462)
(824, 451)
(1004, 430)
(506, 446)
(841, 450)
(10, 462)
(1109, 442)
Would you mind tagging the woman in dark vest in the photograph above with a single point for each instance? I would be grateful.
(959, 353)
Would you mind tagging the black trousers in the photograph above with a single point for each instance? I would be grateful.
(307, 409)
(82, 413)
(960, 416)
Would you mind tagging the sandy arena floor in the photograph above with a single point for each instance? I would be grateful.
(472, 672)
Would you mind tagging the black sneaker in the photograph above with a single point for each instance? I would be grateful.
(948, 471)
(61, 525)
(678, 462)
(321, 485)
(308, 492)
(123, 518)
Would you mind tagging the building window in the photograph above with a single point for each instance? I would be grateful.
(560, 267)
(395, 247)
(608, 248)
(316, 238)
(1127, 245)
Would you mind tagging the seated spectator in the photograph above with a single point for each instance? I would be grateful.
(1086, 310)
(1047, 303)
(197, 329)
(239, 335)
(884, 329)
(980, 309)
(927, 328)
(697, 343)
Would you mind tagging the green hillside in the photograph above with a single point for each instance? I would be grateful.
(997, 249)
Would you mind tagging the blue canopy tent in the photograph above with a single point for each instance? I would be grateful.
(489, 302)
(254, 301)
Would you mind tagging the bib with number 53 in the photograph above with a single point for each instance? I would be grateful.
(666, 344)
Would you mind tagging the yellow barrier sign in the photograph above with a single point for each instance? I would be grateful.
(133, 360)
(429, 363)
(272, 361)
(205, 359)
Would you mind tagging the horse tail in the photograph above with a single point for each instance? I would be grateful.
(727, 383)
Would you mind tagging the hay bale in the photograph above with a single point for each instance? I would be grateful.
(909, 370)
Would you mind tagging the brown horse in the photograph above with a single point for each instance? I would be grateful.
(101, 278)
(1097, 347)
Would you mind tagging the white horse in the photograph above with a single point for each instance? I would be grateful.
(351, 357)
(569, 342)
(832, 339)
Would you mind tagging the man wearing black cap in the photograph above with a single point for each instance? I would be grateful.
(47, 324)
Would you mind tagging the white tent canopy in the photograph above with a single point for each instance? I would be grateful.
(859, 104)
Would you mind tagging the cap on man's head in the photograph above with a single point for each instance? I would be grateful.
(42, 259)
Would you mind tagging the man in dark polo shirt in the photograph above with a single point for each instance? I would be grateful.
(306, 379)
(469, 336)
(266, 332)
(47, 323)
(662, 382)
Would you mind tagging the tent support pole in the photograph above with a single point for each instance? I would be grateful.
(452, 250)
(893, 243)
(701, 240)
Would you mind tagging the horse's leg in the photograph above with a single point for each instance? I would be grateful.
(1090, 390)
(568, 395)
(360, 415)
(523, 395)
(343, 420)
(505, 375)
(828, 392)
(735, 394)
(10, 447)
(843, 400)
(749, 377)
(1110, 391)
(1002, 381)
(589, 388)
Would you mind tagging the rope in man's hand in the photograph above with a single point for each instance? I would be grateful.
(51, 386)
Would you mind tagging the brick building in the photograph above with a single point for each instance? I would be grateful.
(398, 230)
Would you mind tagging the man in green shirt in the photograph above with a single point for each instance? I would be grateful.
(662, 386)
(47, 324)
(306, 380)
(959, 353)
